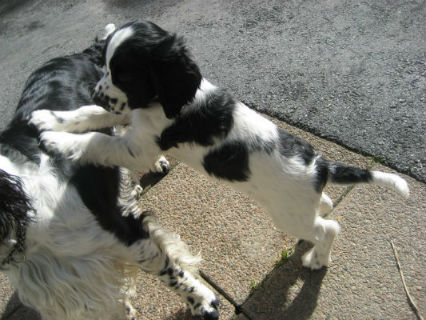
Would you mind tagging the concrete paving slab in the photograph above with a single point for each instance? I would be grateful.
(363, 279)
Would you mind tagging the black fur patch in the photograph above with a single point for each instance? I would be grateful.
(339, 173)
(99, 188)
(230, 161)
(14, 205)
(321, 166)
(211, 118)
(291, 146)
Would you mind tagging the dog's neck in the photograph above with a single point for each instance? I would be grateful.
(151, 119)
(200, 95)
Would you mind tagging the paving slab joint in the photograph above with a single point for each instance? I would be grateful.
(238, 308)
(339, 200)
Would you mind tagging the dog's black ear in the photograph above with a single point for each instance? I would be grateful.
(175, 75)
(14, 204)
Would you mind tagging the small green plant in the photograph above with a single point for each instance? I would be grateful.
(283, 257)
(284, 254)
(376, 160)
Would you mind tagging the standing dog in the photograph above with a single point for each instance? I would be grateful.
(73, 237)
(151, 81)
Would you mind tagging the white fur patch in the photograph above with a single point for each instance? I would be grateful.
(248, 124)
(391, 180)
(118, 38)
(109, 28)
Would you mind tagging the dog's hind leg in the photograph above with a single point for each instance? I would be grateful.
(322, 236)
(166, 256)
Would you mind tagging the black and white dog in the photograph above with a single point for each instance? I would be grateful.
(72, 237)
(151, 81)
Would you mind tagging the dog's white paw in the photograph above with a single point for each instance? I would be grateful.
(162, 165)
(314, 261)
(46, 120)
(72, 146)
(205, 305)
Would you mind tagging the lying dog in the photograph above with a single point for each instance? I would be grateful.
(152, 82)
(73, 237)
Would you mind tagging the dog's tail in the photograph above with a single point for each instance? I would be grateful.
(340, 173)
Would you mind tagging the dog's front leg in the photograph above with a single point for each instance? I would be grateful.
(79, 120)
(165, 255)
(101, 149)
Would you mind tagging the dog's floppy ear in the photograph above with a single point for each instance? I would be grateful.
(14, 205)
(175, 75)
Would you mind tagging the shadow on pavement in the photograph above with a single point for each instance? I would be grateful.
(15, 310)
(7, 6)
(183, 314)
(150, 179)
(289, 292)
(126, 4)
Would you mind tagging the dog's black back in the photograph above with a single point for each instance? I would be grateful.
(67, 83)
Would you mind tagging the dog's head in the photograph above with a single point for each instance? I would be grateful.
(15, 207)
(145, 64)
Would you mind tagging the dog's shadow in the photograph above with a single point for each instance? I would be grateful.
(289, 292)
(15, 310)
(150, 179)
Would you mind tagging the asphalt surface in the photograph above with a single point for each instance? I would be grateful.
(349, 71)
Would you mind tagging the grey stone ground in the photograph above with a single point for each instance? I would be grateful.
(349, 71)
